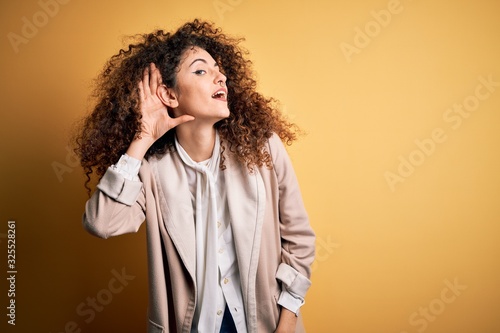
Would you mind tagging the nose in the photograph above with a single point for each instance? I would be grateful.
(220, 79)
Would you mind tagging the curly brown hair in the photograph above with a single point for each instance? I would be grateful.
(106, 133)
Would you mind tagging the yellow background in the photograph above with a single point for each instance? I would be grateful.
(387, 254)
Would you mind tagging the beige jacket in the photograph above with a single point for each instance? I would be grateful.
(273, 239)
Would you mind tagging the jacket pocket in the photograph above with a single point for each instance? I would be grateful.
(276, 291)
(154, 327)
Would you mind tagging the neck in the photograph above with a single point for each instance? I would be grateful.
(197, 141)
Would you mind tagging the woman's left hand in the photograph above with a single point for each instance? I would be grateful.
(287, 323)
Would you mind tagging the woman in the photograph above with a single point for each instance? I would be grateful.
(181, 139)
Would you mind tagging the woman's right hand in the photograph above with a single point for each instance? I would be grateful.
(155, 118)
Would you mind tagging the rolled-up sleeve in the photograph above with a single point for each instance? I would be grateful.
(117, 206)
(116, 186)
(295, 286)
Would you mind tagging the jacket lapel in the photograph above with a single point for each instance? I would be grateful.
(246, 198)
(177, 208)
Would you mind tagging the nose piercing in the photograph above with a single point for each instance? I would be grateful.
(221, 82)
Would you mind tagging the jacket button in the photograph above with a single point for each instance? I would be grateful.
(226, 280)
(219, 312)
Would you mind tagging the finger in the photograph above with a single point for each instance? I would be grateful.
(181, 120)
(155, 78)
(141, 90)
(145, 82)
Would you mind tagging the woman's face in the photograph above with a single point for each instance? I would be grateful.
(201, 88)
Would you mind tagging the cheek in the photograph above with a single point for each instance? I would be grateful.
(190, 100)
(189, 92)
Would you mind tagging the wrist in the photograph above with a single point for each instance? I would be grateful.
(287, 321)
(139, 147)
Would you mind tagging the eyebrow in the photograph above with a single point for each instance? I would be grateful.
(202, 60)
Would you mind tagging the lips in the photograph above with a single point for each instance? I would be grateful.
(220, 94)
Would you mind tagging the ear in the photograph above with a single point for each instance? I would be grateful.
(167, 96)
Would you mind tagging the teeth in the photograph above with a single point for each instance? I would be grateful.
(219, 94)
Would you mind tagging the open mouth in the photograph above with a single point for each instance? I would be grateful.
(220, 95)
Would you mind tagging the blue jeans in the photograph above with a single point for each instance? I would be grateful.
(227, 323)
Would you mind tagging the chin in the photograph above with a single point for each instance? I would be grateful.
(224, 114)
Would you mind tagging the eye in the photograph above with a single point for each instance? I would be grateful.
(200, 72)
